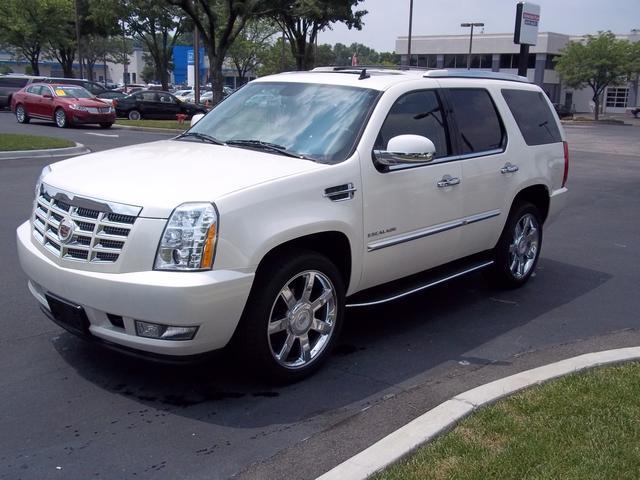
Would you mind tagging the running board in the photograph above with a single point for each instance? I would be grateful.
(415, 284)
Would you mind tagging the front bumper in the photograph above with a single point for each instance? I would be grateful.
(211, 300)
(86, 117)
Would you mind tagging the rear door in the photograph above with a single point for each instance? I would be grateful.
(481, 138)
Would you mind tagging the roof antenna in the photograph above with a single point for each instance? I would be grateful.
(363, 74)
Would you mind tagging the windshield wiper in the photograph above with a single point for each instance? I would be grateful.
(201, 136)
(269, 147)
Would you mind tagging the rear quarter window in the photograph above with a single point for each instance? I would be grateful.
(533, 116)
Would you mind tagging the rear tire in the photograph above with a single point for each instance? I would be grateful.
(134, 115)
(60, 117)
(21, 114)
(518, 249)
(292, 318)
(106, 125)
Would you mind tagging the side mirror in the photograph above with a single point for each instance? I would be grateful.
(196, 118)
(47, 95)
(404, 149)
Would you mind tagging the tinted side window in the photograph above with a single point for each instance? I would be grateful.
(416, 113)
(13, 82)
(34, 90)
(533, 116)
(479, 126)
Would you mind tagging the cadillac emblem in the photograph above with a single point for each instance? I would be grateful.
(66, 230)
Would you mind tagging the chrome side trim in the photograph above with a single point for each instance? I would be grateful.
(452, 158)
(90, 203)
(425, 232)
(422, 287)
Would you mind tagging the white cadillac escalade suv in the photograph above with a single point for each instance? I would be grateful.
(299, 195)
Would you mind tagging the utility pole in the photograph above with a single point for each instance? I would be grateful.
(282, 60)
(466, 25)
(196, 66)
(125, 60)
(78, 40)
(410, 25)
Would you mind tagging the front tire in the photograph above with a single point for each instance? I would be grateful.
(21, 114)
(106, 125)
(518, 250)
(293, 316)
(60, 117)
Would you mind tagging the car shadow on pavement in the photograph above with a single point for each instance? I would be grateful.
(379, 349)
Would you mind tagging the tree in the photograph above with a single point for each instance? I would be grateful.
(219, 22)
(273, 59)
(251, 46)
(158, 26)
(301, 21)
(27, 25)
(63, 45)
(598, 62)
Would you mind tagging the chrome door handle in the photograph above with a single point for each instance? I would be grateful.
(448, 181)
(509, 168)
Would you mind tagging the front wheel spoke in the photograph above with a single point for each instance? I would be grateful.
(287, 296)
(277, 326)
(321, 327)
(286, 348)
(305, 348)
(514, 264)
(309, 280)
(322, 300)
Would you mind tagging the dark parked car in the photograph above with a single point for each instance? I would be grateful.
(66, 105)
(9, 84)
(562, 110)
(94, 87)
(155, 105)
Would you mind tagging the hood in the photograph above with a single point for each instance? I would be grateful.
(159, 176)
(85, 102)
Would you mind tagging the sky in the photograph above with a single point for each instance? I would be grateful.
(388, 19)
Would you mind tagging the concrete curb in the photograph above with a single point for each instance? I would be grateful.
(79, 149)
(149, 129)
(444, 417)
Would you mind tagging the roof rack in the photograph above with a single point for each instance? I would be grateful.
(475, 74)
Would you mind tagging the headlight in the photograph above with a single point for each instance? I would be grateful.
(43, 174)
(80, 108)
(188, 242)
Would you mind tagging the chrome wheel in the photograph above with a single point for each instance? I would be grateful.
(20, 114)
(61, 118)
(524, 246)
(302, 319)
(134, 115)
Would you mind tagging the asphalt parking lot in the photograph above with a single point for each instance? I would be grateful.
(70, 410)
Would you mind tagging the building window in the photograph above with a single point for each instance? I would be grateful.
(428, 61)
(449, 61)
(549, 64)
(510, 60)
(617, 97)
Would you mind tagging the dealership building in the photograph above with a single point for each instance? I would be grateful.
(496, 52)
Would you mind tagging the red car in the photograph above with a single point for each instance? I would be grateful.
(64, 104)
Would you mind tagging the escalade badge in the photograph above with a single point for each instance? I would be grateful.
(66, 230)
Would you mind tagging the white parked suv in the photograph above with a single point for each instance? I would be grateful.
(299, 195)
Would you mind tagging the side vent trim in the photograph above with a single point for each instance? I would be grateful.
(340, 193)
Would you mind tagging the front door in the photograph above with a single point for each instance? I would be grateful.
(411, 212)
(46, 104)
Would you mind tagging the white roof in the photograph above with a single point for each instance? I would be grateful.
(380, 78)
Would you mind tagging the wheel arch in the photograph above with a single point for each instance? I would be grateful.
(538, 195)
(333, 244)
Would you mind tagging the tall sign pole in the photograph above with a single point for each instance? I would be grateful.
(526, 32)
(410, 25)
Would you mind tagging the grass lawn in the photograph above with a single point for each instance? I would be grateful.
(154, 123)
(585, 426)
(11, 142)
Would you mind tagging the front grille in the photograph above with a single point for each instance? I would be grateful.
(99, 236)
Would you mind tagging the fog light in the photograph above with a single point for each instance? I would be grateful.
(164, 332)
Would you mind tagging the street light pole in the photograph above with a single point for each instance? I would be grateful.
(410, 25)
(466, 25)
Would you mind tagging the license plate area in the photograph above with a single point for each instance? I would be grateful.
(68, 315)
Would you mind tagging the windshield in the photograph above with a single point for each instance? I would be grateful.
(319, 122)
(75, 92)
